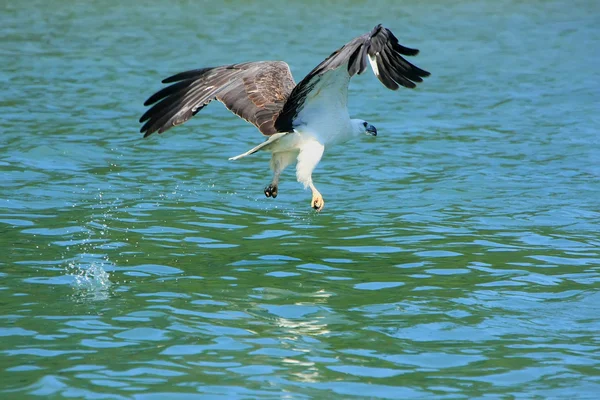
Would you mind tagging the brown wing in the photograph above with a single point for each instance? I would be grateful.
(255, 91)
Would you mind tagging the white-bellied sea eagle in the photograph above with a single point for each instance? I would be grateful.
(299, 121)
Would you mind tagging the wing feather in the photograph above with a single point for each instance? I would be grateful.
(380, 46)
(263, 93)
(255, 91)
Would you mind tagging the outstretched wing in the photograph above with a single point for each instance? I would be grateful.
(255, 91)
(380, 47)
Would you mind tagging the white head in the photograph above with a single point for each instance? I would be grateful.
(362, 127)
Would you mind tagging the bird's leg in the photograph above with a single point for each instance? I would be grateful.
(308, 158)
(279, 161)
(317, 201)
(271, 190)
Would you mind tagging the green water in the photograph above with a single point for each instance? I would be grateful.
(458, 255)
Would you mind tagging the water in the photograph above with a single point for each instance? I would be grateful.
(457, 257)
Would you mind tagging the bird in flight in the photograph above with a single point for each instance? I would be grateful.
(298, 120)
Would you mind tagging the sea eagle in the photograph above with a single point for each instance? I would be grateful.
(299, 121)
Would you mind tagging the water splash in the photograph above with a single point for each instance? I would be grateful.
(89, 270)
(90, 282)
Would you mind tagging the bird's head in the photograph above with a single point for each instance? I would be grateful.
(363, 127)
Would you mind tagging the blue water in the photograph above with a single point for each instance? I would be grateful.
(458, 255)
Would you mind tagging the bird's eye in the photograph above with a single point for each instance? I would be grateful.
(365, 124)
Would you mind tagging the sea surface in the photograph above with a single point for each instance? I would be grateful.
(458, 254)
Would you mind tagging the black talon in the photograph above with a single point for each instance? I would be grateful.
(271, 191)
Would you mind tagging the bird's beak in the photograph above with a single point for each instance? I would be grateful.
(371, 130)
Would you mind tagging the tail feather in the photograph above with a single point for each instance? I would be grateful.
(263, 146)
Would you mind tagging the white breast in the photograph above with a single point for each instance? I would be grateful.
(325, 112)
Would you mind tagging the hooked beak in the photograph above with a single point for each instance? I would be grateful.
(371, 130)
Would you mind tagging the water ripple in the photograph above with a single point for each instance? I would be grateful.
(457, 256)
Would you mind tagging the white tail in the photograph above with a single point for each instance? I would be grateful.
(263, 146)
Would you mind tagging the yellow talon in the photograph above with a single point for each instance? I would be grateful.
(317, 202)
